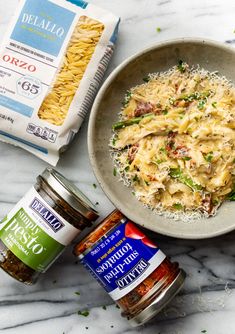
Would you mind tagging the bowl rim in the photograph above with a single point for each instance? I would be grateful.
(91, 125)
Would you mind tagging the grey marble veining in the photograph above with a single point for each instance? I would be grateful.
(207, 301)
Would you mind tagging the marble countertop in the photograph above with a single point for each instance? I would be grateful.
(207, 302)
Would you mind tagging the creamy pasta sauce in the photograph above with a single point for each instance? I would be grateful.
(174, 142)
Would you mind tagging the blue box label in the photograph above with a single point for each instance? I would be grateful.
(79, 3)
(16, 106)
(122, 259)
(43, 25)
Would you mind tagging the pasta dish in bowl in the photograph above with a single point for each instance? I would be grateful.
(163, 151)
(174, 143)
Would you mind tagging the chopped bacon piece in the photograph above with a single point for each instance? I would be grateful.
(171, 134)
(207, 203)
(132, 152)
(177, 151)
(143, 108)
(181, 151)
(170, 141)
(170, 146)
(176, 87)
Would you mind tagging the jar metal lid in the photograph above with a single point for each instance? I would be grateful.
(160, 302)
(70, 193)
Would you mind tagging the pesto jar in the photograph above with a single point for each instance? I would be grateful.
(41, 225)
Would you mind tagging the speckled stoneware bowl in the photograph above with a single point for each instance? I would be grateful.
(210, 55)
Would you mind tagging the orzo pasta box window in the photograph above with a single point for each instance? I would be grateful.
(52, 61)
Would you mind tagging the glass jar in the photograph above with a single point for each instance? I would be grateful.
(130, 267)
(41, 225)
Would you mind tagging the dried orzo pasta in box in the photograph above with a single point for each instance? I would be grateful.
(52, 62)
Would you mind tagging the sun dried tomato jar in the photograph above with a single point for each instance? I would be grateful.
(41, 225)
(131, 268)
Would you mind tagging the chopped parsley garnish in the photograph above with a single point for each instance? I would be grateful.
(214, 104)
(158, 29)
(162, 149)
(231, 196)
(158, 161)
(104, 307)
(84, 313)
(181, 66)
(186, 158)
(126, 99)
(204, 331)
(146, 79)
(208, 157)
(94, 185)
(165, 111)
(77, 293)
(127, 168)
(97, 203)
(190, 97)
(117, 306)
(201, 104)
(115, 171)
(146, 182)
(178, 206)
(114, 141)
(135, 179)
(215, 201)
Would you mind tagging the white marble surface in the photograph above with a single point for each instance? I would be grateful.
(207, 302)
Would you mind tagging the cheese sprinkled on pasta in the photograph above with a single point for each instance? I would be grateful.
(174, 143)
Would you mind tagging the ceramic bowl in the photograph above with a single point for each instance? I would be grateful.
(210, 55)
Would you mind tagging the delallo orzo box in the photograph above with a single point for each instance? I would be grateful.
(52, 61)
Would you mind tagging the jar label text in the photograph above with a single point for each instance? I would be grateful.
(35, 233)
(122, 259)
